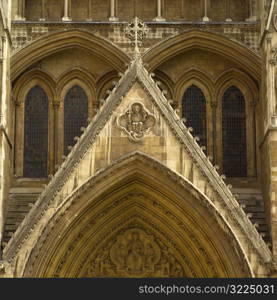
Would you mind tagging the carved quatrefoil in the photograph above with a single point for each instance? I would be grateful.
(136, 121)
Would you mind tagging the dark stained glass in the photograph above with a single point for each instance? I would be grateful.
(36, 134)
(234, 133)
(194, 111)
(75, 115)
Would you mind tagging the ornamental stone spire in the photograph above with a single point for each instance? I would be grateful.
(136, 31)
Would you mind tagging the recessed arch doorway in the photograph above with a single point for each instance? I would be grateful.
(134, 219)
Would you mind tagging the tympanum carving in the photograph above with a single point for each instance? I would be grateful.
(135, 254)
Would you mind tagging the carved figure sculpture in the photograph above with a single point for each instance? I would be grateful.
(136, 121)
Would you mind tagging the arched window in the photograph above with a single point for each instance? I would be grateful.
(36, 134)
(234, 133)
(75, 115)
(194, 111)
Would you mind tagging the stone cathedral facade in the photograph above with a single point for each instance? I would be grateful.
(138, 138)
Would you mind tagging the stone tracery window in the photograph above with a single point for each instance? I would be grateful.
(75, 115)
(194, 111)
(234, 133)
(36, 134)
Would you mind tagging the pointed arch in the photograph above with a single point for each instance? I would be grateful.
(58, 41)
(239, 78)
(133, 197)
(75, 115)
(22, 85)
(35, 163)
(194, 111)
(208, 41)
(76, 73)
(197, 77)
(21, 88)
(234, 133)
(249, 91)
(81, 77)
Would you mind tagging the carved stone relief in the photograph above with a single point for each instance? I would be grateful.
(136, 121)
(134, 253)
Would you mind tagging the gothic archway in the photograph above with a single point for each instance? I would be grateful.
(136, 219)
(58, 41)
(207, 41)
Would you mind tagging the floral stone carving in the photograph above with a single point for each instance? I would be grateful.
(134, 254)
(136, 121)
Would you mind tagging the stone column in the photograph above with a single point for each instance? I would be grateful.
(89, 18)
(67, 6)
(19, 137)
(43, 10)
(228, 12)
(20, 15)
(57, 159)
(270, 76)
(253, 167)
(205, 18)
(159, 17)
(113, 18)
(252, 16)
(214, 121)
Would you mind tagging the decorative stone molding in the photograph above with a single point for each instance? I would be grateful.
(136, 121)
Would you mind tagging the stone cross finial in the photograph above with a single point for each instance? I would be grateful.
(136, 31)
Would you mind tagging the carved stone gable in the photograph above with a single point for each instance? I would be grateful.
(136, 121)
